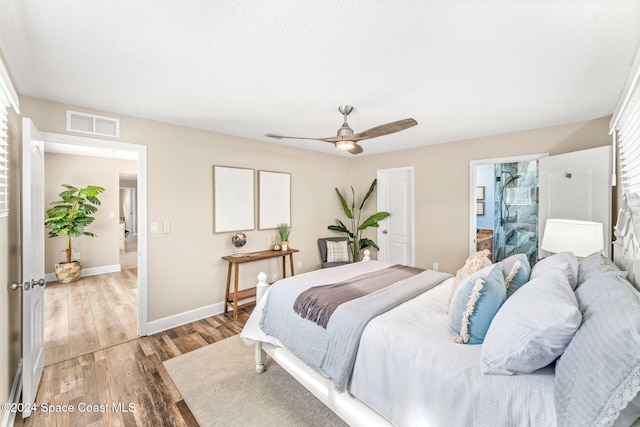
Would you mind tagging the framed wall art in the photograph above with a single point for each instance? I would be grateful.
(233, 199)
(274, 199)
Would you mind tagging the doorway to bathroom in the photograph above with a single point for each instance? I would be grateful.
(506, 215)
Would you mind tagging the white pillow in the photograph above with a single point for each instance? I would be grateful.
(337, 251)
(564, 261)
(532, 328)
(473, 264)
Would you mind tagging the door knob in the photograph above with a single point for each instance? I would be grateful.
(27, 285)
(384, 231)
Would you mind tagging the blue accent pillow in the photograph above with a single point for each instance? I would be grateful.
(516, 270)
(474, 304)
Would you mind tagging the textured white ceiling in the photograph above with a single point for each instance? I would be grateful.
(462, 69)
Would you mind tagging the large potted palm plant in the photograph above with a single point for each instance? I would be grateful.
(354, 232)
(68, 218)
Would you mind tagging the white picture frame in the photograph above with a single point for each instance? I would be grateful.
(274, 199)
(233, 199)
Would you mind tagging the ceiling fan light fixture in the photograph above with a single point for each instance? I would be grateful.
(347, 140)
(345, 145)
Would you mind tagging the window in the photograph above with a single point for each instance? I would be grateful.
(4, 159)
(628, 138)
(625, 127)
(8, 97)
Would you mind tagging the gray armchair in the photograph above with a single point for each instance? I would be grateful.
(322, 245)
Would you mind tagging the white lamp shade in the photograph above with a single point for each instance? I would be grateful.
(568, 235)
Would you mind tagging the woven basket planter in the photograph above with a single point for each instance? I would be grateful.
(68, 272)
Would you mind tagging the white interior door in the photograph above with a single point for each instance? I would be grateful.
(577, 186)
(32, 262)
(395, 234)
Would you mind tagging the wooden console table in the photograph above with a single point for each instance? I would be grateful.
(232, 299)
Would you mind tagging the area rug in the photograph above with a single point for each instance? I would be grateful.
(219, 384)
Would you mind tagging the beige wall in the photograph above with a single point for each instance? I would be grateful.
(81, 171)
(442, 181)
(185, 269)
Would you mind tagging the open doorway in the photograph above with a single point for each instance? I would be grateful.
(504, 201)
(128, 234)
(108, 305)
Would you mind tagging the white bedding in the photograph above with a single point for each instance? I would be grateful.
(413, 384)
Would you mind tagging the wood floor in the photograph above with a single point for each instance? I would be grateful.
(93, 313)
(127, 376)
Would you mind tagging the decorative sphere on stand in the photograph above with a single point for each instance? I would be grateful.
(239, 240)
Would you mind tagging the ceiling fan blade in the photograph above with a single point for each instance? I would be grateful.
(332, 139)
(356, 150)
(385, 129)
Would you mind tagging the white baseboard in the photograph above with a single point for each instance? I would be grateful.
(179, 319)
(14, 397)
(91, 271)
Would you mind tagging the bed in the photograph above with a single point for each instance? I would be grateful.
(561, 344)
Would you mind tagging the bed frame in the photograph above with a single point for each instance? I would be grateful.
(347, 407)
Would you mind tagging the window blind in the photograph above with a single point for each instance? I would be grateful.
(628, 139)
(625, 127)
(8, 97)
(4, 157)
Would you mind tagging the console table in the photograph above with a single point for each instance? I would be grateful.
(232, 299)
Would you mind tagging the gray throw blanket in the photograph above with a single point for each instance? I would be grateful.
(318, 303)
(332, 351)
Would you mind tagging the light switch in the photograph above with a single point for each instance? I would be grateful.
(153, 227)
(166, 227)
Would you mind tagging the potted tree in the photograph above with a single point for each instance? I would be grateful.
(283, 232)
(68, 218)
(354, 232)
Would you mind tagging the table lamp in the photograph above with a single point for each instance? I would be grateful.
(569, 235)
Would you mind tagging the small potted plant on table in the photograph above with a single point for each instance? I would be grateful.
(68, 217)
(283, 232)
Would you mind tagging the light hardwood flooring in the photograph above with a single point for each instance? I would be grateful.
(130, 374)
(95, 359)
(129, 258)
(94, 313)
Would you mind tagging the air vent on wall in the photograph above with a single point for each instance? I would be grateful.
(93, 124)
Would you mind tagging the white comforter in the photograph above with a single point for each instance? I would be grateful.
(409, 370)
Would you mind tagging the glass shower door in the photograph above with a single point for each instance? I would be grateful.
(516, 210)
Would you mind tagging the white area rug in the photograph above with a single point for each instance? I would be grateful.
(219, 384)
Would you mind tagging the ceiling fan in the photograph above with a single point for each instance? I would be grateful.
(347, 140)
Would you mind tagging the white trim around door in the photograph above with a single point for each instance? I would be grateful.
(472, 188)
(133, 152)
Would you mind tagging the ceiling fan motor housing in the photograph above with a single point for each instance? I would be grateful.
(345, 131)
